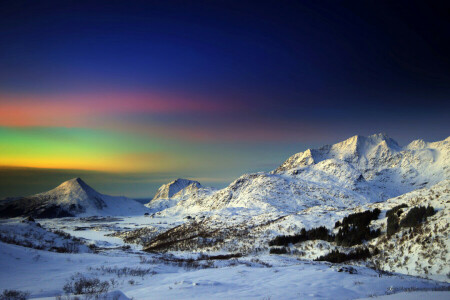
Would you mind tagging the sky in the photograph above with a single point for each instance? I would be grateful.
(129, 95)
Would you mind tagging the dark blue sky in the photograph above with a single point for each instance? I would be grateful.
(284, 75)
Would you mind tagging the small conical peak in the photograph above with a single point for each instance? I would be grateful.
(75, 181)
(76, 184)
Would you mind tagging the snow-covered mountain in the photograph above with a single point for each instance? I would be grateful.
(71, 198)
(170, 194)
(356, 171)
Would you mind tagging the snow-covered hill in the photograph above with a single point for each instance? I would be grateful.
(170, 194)
(71, 198)
(356, 171)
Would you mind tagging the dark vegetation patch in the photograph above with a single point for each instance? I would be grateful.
(14, 295)
(339, 257)
(319, 233)
(126, 271)
(396, 210)
(37, 207)
(219, 257)
(82, 285)
(196, 235)
(354, 235)
(136, 236)
(393, 215)
(360, 219)
(417, 215)
(354, 229)
(277, 250)
(349, 270)
(392, 225)
(413, 218)
(171, 260)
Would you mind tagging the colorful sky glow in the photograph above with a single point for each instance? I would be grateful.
(132, 94)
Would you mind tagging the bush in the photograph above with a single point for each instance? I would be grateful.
(396, 210)
(392, 224)
(319, 233)
(79, 284)
(278, 250)
(417, 215)
(14, 295)
(126, 271)
(355, 228)
(338, 257)
(359, 219)
(350, 236)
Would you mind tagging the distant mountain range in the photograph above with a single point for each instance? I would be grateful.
(353, 172)
(71, 198)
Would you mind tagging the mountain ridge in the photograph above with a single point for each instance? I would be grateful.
(353, 172)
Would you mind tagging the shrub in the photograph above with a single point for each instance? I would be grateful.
(278, 250)
(360, 219)
(350, 236)
(392, 224)
(417, 215)
(319, 233)
(14, 295)
(338, 257)
(396, 210)
(126, 271)
(79, 284)
(355, 228)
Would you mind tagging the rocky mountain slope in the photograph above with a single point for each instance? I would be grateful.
(170, 194)
(71, 198)
(318, 188)
(356, 171)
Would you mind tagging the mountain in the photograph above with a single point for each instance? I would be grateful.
(170, 194)
(71, 198)
(353, 172)
(167, 191)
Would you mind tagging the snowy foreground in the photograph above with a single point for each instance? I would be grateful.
(44, 273)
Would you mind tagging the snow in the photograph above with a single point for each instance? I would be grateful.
(168, 190)
(435, 295)
(285, 279)
(313, 188)
(170, 194)
(354, 172)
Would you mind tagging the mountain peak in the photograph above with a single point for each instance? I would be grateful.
(75, 185)
(352, 149)
(168, 190)
(360, 144)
